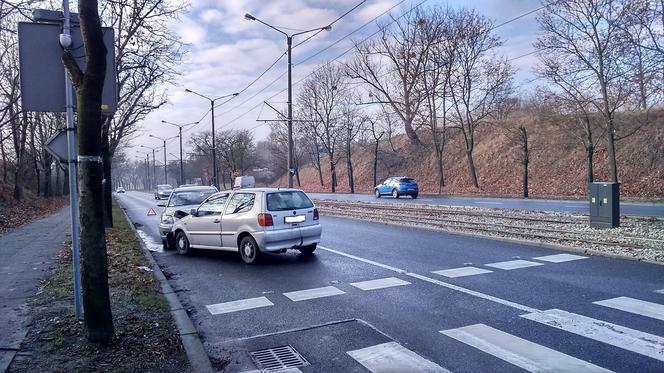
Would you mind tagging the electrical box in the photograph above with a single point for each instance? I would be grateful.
(604, 205)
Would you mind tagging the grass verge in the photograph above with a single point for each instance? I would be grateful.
(146, 339)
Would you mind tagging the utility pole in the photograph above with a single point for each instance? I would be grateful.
(180, 126)
(289, 43)
(165, 165)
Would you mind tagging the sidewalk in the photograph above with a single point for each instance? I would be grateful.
(26, 256)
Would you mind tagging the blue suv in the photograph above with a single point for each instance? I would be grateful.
(397, 186)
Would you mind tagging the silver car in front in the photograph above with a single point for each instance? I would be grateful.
(251, 222)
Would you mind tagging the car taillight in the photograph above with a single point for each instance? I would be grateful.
(265, 220)
(316, 214)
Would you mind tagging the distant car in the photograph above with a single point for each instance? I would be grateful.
(182, 198)
(163, 191)
(120, 190)
(397, 187)
(251, 221)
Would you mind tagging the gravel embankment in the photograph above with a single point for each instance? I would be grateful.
(637, 238)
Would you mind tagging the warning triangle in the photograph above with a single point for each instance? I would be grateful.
(151, 212)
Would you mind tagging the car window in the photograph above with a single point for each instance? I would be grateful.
(407, 180)
(387, 181)
(240, 202)
(213, 206)
(190, 197)
(288, 200)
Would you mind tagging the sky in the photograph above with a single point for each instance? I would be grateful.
(226, 53)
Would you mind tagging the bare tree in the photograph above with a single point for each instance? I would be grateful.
(88, 85)
(585, 37)
(480, 79)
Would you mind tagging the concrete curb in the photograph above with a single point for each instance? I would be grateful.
(576, 250)
(198, 358)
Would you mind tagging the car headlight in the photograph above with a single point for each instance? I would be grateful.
(167, 219)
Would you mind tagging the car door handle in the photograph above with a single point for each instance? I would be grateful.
(216, 221)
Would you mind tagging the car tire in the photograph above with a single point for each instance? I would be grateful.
(377, 193)
(414, 195)
(249, 251)
(182, 243)
(395, 193)
(309, 249)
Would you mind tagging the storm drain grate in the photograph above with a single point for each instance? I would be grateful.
(277, 358)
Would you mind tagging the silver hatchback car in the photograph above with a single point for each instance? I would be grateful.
(251, 221)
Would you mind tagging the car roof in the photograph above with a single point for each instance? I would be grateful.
(195, 188)
(262, 190)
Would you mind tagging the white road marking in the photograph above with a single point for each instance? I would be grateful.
(637, 306)
(437, 282)
(615, 335)
(326, 291)
(238, 305)
(393, 357)
(380, 283)
(660, 291)
(518, 351)
(461, 272)
(559, 258)
(514, 264)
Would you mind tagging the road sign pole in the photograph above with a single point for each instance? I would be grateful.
(73, 190)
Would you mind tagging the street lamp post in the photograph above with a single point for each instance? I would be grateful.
(214, 146)
(180, 126)
(165, 164)
(154, 164)
(147, 168)
(289, 43)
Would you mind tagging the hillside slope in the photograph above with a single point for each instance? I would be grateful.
(557, 164)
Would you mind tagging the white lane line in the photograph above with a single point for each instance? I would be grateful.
(461, 272)
(326, 291)
(514, 264)
(238, 305)
(518, 351)
(393, 357)
(660, 291)
(437, 282)
(380, 283)
(559, 258)
(637, 306)
(615, 335)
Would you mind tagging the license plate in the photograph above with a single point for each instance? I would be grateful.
(294, 219)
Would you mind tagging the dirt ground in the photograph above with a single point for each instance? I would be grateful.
(146, 339)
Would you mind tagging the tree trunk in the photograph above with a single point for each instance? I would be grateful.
(471, 168)
(349, 165)
(525, 160)
(375, 164)
(410, 132)
(441, 174)
(333, 175)
(4, 160)
(319, 166)
(94, 275)
(610, 142)
(589, 162)
(107, 159)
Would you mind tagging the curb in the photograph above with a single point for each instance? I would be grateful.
(198, 358)
(576, 250)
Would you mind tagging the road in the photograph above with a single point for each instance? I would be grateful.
(626, 208)
(382, 298)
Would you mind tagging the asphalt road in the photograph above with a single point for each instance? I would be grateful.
(370, 300)
(626, 208)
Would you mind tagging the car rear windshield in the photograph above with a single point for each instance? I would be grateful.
(190, 197)
(407, 180)
(288, 200)
(164, 187)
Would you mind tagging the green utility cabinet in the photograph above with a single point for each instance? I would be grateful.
(604, 205)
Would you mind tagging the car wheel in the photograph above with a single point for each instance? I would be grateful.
(395, 193)
(308, 250)
(249, 251)
(182, 243)
(377, 192)
(414, 195)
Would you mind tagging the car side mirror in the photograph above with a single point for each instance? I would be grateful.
(161, 204)
(193, 212)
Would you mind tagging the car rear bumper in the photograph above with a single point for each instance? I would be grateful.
(278, 240)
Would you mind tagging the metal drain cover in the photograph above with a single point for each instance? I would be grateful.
(276, 358)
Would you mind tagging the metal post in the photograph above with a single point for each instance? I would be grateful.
(165, 172)
(181, 164)
(147, 171)
(290, 115)
(214, 150)
(154, 168)
(73, 190)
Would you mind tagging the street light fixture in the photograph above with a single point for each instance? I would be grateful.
(165, 165)
(289, 42)
(180, 126)
(214, 146)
